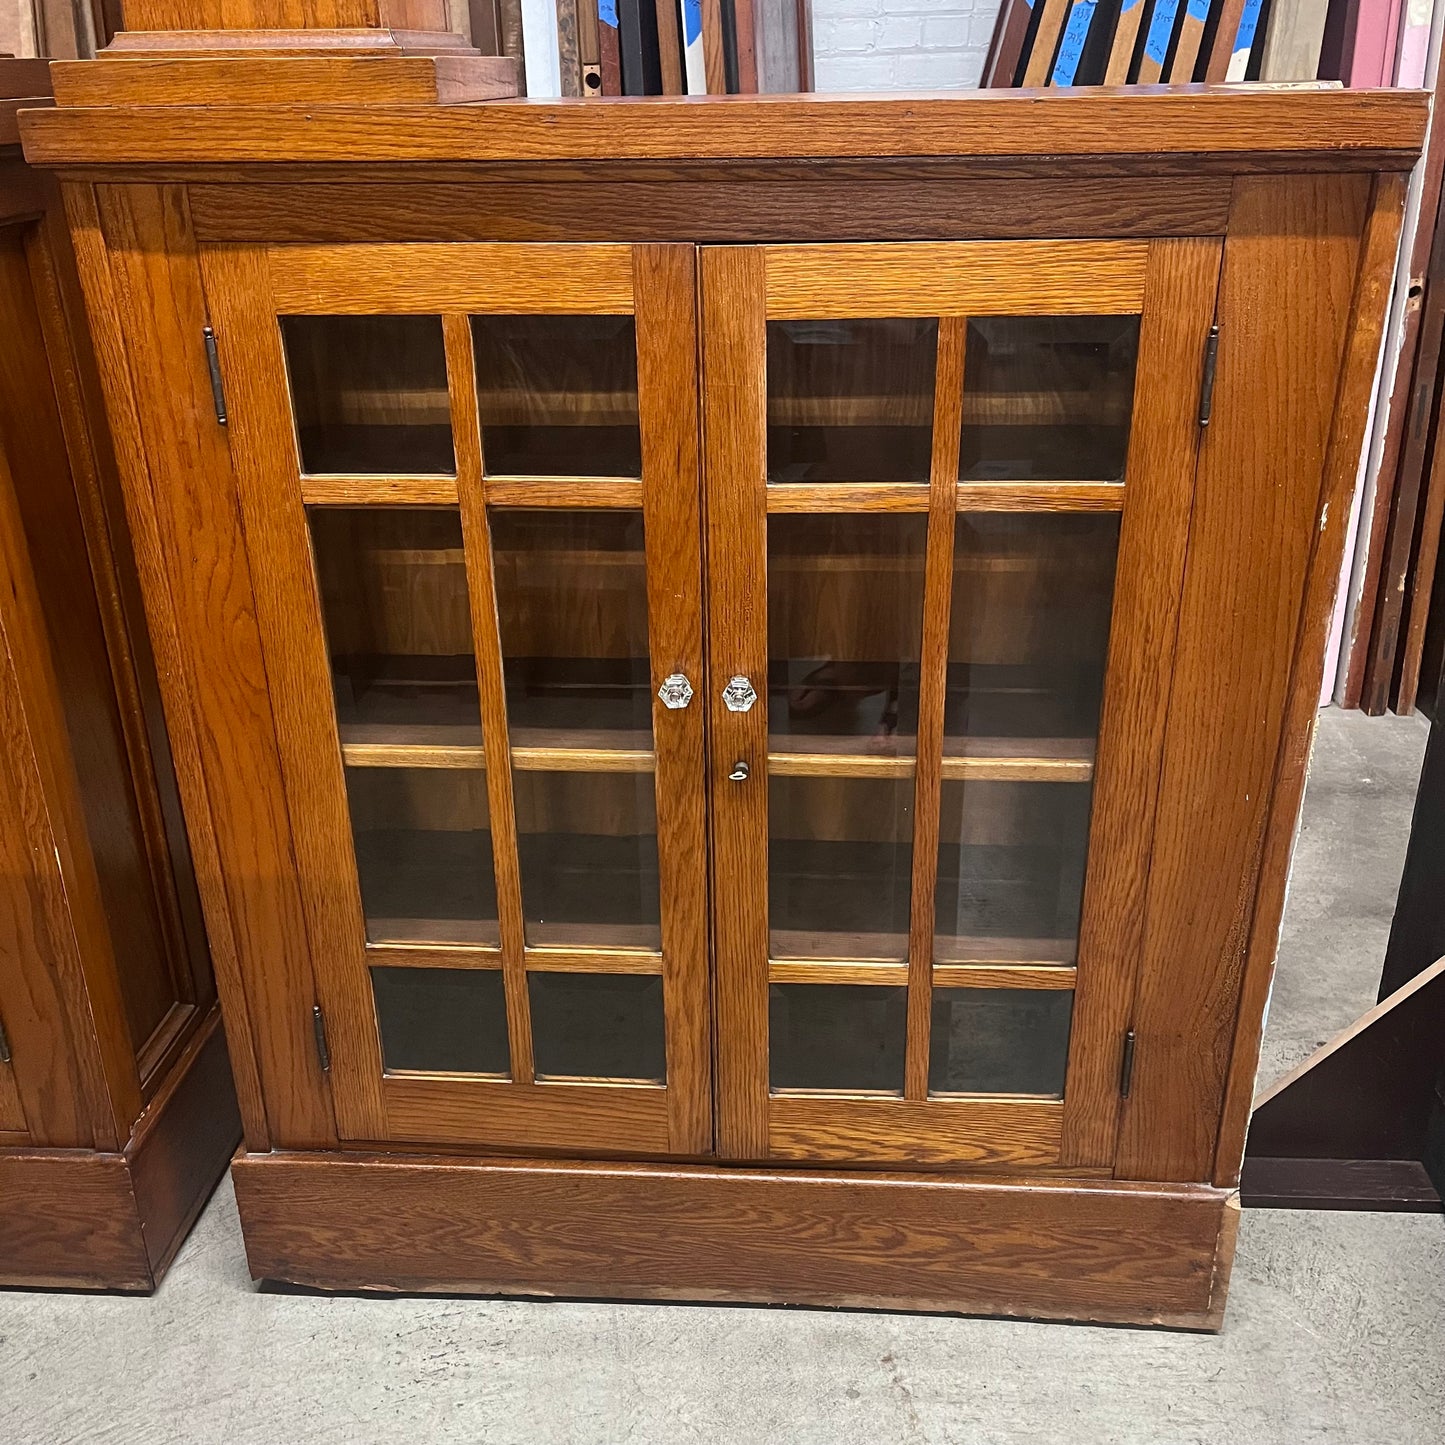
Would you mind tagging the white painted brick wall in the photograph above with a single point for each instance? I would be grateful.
(901, 44)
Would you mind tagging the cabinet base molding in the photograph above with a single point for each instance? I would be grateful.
(1105, 1252)
(76, 1219)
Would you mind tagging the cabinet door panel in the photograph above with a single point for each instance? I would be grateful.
(962, 489)
(469, 480)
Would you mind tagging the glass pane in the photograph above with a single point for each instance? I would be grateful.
(1048, 398)
(572, 606)
(370, 394)
(999, 1041)
(424, 854)
(442, 1020)
(851, 401)
(588, 846)
(836, 1036)
(1011, 862)
(840, 857)
(597, 1026)
(558, 395)
(1029, 633)
(845, 621)
(393, 584)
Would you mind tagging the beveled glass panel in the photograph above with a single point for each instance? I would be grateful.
(393, 585)
(588, 846)
(369, 394)
(572, 607)
(1048, 398)
(1033, 594)
(423, 854)
(1011, 860)
(845, 622)
(844, 1037)
(597, 1026)
(557, 395)
(442, 1020)
(840, 853)
(999, 1041)
(851, 401)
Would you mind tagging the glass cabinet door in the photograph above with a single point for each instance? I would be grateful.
(941, 521)
(470, 483)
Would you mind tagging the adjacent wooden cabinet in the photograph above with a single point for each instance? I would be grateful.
(744, 669)
(117, 1112)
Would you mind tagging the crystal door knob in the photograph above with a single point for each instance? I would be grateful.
(739, 773)
(676, 690)
(738, 695)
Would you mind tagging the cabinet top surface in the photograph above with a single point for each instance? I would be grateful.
(1139, 128)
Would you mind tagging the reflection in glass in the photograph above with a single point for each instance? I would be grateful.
(597, 1026)
(369, 394)
(423, 854)
(393, 585)
(999, 1041)
(836, 1036)
(442, 1020)
(840, 852)
(588, 846)
(1011, 862)
(557, 395)
(845, 620)
(851, 401)
(1048, 398)
(572, 607)
(1029, 626)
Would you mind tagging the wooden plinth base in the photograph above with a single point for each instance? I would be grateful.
(75, 1219)
(1106, 1252)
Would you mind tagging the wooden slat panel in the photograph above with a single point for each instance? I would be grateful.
(1154, 532)
(365, 279)
(735, 427)
(907, 1131)
(1016, 278)
(1256, 516)
(569, 492)
(614, 1119)
(666, 290)
(379, 491)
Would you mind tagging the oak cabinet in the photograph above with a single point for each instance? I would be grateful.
(748, 753)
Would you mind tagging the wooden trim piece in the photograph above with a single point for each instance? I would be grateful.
(805, 497)
(1255, 525)
(1006, 975)
(971, 497)
(523, 759)
(735, 430)
(1358, 127)
(941, 278)
(487, 642)
(836, 970)
(1059, 1249)
(595, 960)
(665, 286)
(379, 491)
(613, 1118)
(432, 955)
(363, 279)
(945, 975)
(569, 492)
(933, 689)
(955, 1131)
(1154, 533)
(1346, 434)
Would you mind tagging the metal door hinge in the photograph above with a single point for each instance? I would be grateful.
(213, 365)
(318, 1027)
(1126, 1066)
(1206, 385)
(4, 1045)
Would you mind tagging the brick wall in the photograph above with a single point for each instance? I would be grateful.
(901, 44)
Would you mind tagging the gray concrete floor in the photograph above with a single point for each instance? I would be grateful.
(1336, 1327)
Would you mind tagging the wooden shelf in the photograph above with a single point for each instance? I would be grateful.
(1041, 760)
(844, 970)
(533, 750)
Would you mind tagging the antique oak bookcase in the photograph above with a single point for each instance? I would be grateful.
(117, 1112)
(743, 668)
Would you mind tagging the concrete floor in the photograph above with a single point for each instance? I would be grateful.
(1336, 1328)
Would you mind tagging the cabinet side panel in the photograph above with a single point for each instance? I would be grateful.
(1357, 378)
(1256, 516)
(182, 497)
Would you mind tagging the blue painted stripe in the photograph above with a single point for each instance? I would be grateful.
(607, 12)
